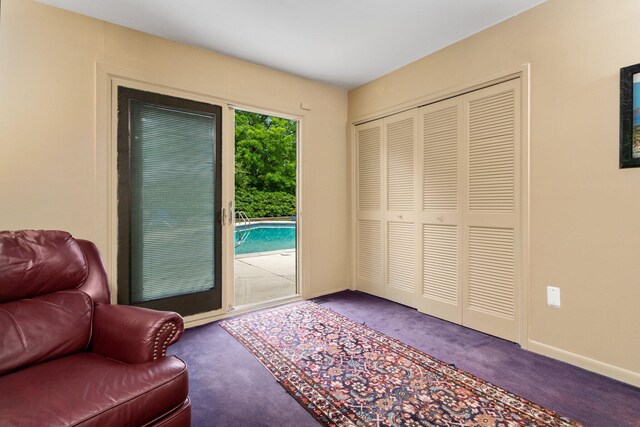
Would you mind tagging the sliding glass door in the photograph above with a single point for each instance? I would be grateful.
(169, 202)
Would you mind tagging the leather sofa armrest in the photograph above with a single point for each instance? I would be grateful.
(134, 334)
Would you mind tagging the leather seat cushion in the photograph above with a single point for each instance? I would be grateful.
(90, 390)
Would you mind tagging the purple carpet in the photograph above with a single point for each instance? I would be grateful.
(229, 387)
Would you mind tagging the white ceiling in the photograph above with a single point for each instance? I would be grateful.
(344, 43)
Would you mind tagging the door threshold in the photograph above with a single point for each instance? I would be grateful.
(247, 308)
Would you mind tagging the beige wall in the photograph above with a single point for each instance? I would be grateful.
(53, 162)
(584, 211)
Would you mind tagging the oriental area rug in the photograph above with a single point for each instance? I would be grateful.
(346, 374)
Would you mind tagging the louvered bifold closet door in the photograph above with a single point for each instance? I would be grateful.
(401, 215)
(492, 228)
(440, 135)
(369, 213)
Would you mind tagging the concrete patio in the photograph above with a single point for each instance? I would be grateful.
(264, 276)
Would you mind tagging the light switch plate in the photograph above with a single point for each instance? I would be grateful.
(553, 296)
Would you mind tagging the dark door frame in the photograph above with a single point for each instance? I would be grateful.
(188, 304)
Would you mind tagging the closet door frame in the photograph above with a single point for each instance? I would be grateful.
(522, 73)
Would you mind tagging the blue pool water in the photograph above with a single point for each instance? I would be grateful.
(267, 237)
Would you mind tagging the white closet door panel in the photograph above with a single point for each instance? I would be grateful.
(440, 135)
(440, 272)
(492, 153)
(401, 166)
(440, 262)
(491, 292)
(369, 256)
(491, 271)
(401, 207)
(492, 229)
(400, 143)
(369, 177)
(401, 263)
(369, 203)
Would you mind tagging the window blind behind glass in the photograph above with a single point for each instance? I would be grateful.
(172, 202)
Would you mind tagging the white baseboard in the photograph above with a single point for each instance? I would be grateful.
(592, 365)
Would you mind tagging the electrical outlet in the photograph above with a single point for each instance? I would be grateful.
(553, 296)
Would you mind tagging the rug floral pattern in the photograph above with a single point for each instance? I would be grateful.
(346, 374)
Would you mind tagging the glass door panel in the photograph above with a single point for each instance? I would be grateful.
(169, 199)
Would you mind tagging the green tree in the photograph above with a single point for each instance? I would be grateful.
(265, 165)
(265, 153)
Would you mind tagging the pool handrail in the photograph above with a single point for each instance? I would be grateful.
(246, 230)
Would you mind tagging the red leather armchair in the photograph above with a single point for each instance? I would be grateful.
(69, 357)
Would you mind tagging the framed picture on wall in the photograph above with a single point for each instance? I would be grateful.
(630, 116)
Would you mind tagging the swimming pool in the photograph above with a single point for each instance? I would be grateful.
(265, 237)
